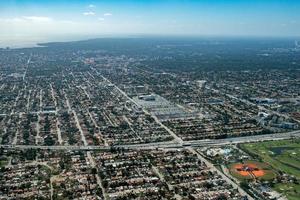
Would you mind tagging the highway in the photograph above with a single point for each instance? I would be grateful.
(171, 144)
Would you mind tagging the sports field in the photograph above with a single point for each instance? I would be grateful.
(252, 170)
(283, 156)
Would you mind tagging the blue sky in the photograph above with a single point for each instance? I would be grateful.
(44, 19)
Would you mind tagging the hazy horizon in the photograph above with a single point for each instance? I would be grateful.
(24, 43)
(29, 21)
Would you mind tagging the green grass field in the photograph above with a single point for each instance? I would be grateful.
(292, 191)
(283, 156)
(3, 162)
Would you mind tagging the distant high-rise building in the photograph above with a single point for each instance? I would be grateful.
(201, 84)
(297, 44)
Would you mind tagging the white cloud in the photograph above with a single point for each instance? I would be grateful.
(101, 19)
(107, 14)
(38, 18)
(32, 19)
(12, 20)
(91, 6)
(89, 13)
(67, 21)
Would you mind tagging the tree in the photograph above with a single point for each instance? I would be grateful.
(94, 170)
(30, 154)
(49, 141)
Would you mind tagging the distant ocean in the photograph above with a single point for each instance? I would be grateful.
(13, 44)
(25, 42)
